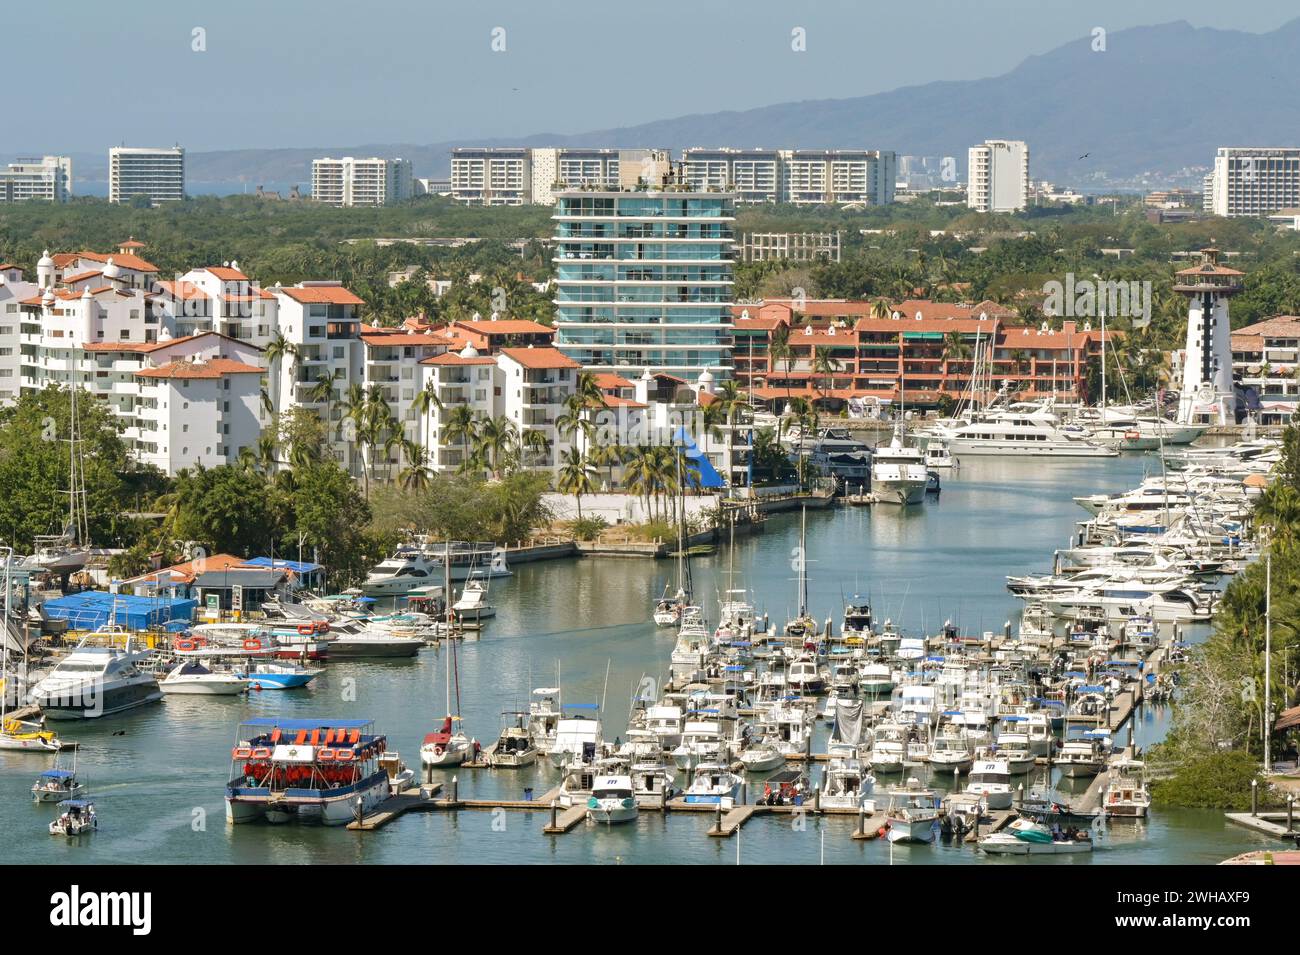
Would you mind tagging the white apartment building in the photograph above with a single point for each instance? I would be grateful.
(13, 291)
(349, 182)
(802, 176)
(1253, 181)
(492, 177)
(998, 176)
(158, 174)
(47, 179)
(1265, 358)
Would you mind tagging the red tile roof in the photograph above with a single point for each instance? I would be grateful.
(451, 358)
(184, 291)
(546, 357)
(211, 368)
(225, 273)
(322, 295)
(505, 326)
(123, 259)
(607, 381)
(383, 339)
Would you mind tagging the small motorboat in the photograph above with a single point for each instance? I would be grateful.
(612, 800)
(400, 776)
(514, 748)
(1024, 837)
(193, 678)
(278, 676)
(78, 817)
(761, 756)
(58, 784)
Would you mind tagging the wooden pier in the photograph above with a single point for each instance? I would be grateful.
(1269, 823)
(412, 800)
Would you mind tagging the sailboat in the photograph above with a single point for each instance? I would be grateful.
(66, 553)
(449, 746)
(737, 617)
(668, 609)
(803, 627)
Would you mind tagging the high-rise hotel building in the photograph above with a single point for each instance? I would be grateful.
(998, 176)
(157, 174)
(1253, 181)
(48, 179)
(643, 279)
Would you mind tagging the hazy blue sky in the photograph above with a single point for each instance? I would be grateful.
(86, 74)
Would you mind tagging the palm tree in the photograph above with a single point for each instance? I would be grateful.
(881, 309)
(264, 453)
(825, 363)
(427, 402)
(577, 476)
(496, 439)
(462, 426)
(779, 350)
(536, 444)
(277, 349)
(416, 475)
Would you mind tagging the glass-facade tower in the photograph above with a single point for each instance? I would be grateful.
(643, 280)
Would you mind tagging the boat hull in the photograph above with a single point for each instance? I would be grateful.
(334, 807)
(374, 649)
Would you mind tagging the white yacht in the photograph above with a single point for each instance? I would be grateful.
(937, 455)
(612, 800)
(406, 569)
(990, 779)
(714, 783)
(846, 784)
(544, 713)
(911, 813)
(951, 752)
(95, 681)
(1126, 793)
(898, 473)
(1030, 431)
(195, 678)
(1085, 755)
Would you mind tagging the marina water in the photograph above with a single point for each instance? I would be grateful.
(157, 774)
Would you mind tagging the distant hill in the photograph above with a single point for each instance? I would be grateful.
(1160, 98)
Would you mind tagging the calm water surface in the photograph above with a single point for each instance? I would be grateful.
(158, 785)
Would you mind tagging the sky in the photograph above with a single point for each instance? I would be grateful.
(301, 73)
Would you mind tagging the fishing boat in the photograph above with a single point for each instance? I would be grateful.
(761, 755)
(277, 676)
(77, 818)
(56, 784)
(544, 712)
(91, 682)
(846, 784)
(322, 770)
(875, 679)
(578, 738)
(951, 752)
(612, 800)
(856, 623)
(472, 604)
(400, 776)
(1025, 837)
(1126, 794)
(713, 784)
(193, 678)
(514, 748)
(910, 814)
(990, 779)
(1084, 755)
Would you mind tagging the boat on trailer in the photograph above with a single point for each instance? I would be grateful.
(322, 770)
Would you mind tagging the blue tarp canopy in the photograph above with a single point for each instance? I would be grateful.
(93, 609)
(708, 475)
(279, 563)
(57, 774)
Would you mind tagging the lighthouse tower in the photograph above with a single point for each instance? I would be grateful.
(1207, 395)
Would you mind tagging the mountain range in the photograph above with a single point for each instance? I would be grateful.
(1157, 100)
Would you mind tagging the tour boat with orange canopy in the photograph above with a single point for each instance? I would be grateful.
(310, 770)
